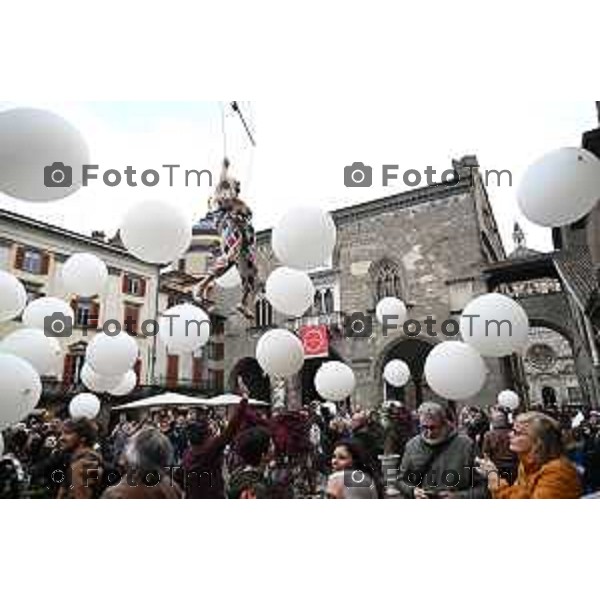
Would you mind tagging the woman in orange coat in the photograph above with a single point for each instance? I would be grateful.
(544, 471)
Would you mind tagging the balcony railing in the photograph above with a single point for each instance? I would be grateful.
(55, 390)
(188, 385)
(332, 320)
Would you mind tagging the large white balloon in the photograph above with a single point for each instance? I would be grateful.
(98, 383)
(32, 144)
(280, 353)
(455, 371)
(495, 325)
(84, 274)
(509, 399)
(20, 389)
(291, 292)
(112, 355)
(156, 232)
(126, 385)
(397, 373)
(304, 238)
(43, 353)
(335, 381)
(231, 279)
(560, 188)
(392, 308)
(184, 328)
(13, 297)
(59, 314)
(84, 406)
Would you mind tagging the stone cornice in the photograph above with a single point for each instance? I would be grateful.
(65, 234)
(383, 205)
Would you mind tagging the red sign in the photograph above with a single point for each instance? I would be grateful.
(315, 339)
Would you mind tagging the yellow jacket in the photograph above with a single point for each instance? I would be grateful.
(557, 479)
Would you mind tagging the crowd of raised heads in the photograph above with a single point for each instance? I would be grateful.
(242, 452)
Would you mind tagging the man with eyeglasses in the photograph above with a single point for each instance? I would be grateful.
(439, 462)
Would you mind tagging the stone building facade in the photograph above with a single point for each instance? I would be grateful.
(428, 246)
(550, 369)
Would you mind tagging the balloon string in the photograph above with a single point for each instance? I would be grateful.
(223, 129)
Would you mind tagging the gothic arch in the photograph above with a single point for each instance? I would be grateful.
(263, 311)
(414, 352)
(387, 279)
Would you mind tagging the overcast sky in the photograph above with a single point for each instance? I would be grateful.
(302, 149)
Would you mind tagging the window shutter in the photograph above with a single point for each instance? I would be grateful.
(94, 315)
(68, 371)
(219, 381)
(142, 287)
(138, 370)
(133, 314)
(197, 371)
(172, 370)
(125, 283)
(20, 257)
(74, 303)
(45, 268)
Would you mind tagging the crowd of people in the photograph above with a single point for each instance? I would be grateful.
(248, 453)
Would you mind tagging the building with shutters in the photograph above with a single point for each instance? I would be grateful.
(34, 252)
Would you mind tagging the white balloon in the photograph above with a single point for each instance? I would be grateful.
(304, 238)
(332, 407)
(31, 140)
(230, 280)
(98, 383)
(20, 389)
(291, 292)
(156, 232)
(335, 381)
(126, 385)
(495, 325)
(59, 313)
(397, 373)
(84, 406)
(112, 355)
(43, 353)
(184, 328)
(13, 297)
(509, 399)
(280, 353)
(392, 308)
(455, 371)
(84, 275)
(560, 188)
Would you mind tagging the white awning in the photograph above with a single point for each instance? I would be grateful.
(172, 399)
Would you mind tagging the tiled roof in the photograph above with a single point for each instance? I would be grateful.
(576, 268)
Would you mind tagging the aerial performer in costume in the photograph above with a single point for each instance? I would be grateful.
(233, 219)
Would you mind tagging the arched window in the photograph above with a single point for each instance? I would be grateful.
(317, 303)
(328, 301)
(323, 302)
(386, 280)
(263, 313)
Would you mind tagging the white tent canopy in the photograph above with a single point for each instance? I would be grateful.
(171, 399)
